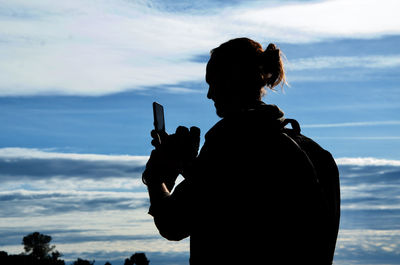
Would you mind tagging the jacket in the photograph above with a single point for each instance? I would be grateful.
(252, 196)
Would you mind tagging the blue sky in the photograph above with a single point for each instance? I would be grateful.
(77, 80)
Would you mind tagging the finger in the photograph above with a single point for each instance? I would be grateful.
(156, 139)
(182, 130)
(195, 136)
(183, 136)
(154, 134)
(156, 143)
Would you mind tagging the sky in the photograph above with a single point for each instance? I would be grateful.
(77, 79)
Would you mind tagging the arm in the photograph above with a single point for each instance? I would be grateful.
(170, 211)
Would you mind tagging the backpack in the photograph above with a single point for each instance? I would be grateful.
(328, 176)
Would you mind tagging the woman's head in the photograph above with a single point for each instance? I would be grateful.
(238, 71)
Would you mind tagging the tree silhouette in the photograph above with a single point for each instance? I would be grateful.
(38, 246)
(38, 251)
(83, 262)
(138, 259)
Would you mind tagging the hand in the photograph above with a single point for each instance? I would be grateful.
(172, 154)
(157, 165)
(180, 148)
(158, 169)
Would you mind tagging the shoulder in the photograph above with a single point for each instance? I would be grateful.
(216, 130)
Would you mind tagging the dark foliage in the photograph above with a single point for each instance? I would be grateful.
(23, 259)
(38, 251)
(38, 245)
(138, 259)
(83, 262)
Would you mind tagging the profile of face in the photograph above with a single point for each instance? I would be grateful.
(224, 101)
(224, 89)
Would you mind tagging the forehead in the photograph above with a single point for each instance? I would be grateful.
(218, 70)
(210, 68)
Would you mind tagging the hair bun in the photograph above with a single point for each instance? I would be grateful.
(271, 46)
(271, 53)
(272, 66)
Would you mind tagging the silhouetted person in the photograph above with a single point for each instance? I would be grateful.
(252, 195)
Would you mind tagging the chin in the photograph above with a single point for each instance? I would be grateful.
(220, 112)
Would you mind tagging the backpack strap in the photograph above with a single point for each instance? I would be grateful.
(295, 125)
(291, 135)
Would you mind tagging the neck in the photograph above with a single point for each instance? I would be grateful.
(238, 108)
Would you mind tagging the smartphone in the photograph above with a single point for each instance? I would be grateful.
(158, 112)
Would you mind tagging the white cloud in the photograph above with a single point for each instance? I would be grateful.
(364, 246)
(366, 161)
(367, 138)
(86, 234)
(324, 19)
(93, 48)
(45, 170)
(84, 212)
(369, 184)
(101, 47)
(43, 202)
(29, 153)
(182, 90)
(352, 124)
(331, 62)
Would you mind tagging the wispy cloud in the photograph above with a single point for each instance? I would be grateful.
(369, 230)
(68, 171)
(367, 247)
(352, 124)
(366, 161)
(102, 47)
(362, 138)
(23, 203)
(88, 203)
(182, 90)
(334, 18)
(29, 153)
(336, 62)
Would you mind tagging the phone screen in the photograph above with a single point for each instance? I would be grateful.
(158, 111)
